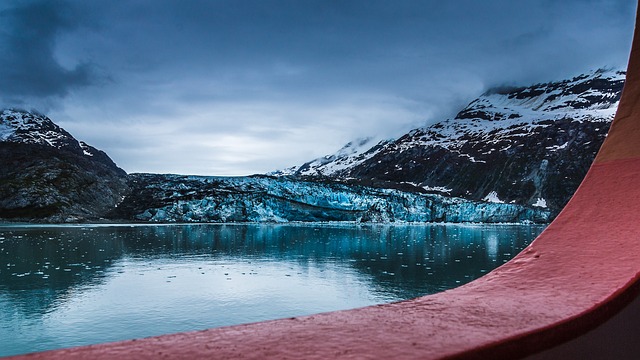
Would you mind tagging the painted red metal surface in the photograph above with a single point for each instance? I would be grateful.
(580, 271)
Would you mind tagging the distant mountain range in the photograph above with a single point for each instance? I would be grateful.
(512, 155)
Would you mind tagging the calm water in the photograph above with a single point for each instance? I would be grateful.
(75, 285)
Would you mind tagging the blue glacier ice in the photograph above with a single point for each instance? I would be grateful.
(177, 198)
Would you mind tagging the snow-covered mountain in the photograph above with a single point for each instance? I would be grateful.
(526, 145)
(349, 156)
(24, 127)
(48, 175)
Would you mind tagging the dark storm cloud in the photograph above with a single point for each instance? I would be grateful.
(28, 69)
(307, 46)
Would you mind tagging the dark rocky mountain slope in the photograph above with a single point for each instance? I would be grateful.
(528, 145)
(47, 175)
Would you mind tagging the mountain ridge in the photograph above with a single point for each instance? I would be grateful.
(47, 175)
(529, 145)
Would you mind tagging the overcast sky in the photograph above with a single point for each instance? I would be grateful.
(240, 87)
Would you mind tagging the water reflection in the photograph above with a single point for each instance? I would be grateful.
(74, 285)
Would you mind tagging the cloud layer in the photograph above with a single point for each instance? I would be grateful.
(240, 87)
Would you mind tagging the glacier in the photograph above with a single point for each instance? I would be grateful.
(261, 198)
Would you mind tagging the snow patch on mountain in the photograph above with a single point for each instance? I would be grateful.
(492, 197)
(540, 202)
(86, 149)
(6, 131)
